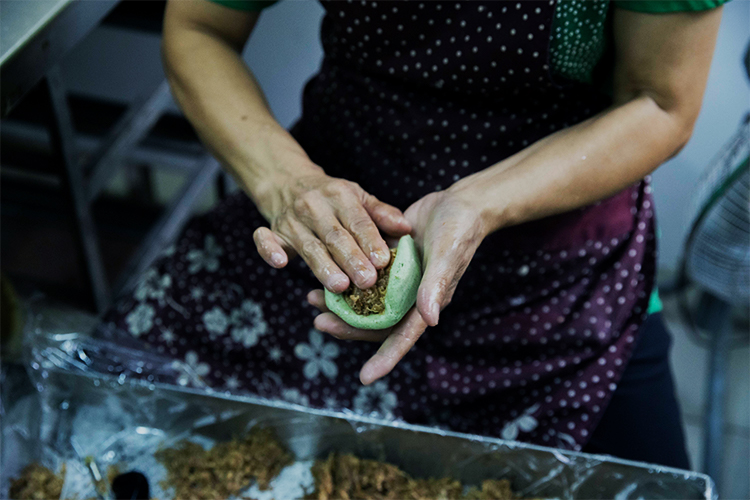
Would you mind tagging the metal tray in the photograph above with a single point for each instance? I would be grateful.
(77, 411)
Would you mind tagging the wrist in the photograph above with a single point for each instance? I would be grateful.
(274, 190)
(274, 162)
(487, 202)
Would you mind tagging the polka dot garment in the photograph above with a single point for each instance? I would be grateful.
(578, 38)
(412, 96)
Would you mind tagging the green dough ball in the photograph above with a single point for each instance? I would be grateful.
(400, 296)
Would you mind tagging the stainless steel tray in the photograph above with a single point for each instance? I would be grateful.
(78, 411)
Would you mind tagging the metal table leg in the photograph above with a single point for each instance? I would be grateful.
(63, 145)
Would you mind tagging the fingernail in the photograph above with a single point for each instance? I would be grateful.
(337, 281)
(364, 275)
(435, 311)
(380, 258)
(366, 375)
(277, 259)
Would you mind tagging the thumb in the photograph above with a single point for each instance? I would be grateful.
(387, 217)
(436, 288)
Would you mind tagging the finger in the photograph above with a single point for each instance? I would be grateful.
(332, 324)
(270, 247)
(361, 226)
(387, 217)
(445, 261)
(317, 299)
(347, 253)
(391, 241)
(434, 289)
(339, 243)
(402, 338)
(316, 255)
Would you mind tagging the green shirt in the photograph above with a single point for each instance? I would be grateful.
(580, 32)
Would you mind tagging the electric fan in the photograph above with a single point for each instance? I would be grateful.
(716, 260)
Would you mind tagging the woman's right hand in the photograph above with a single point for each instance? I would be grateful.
(334, 225)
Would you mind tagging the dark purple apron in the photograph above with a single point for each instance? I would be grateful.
(411, 97)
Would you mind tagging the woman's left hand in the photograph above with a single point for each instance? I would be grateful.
(447, 228)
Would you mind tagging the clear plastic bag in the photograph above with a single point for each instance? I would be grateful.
(98, 403)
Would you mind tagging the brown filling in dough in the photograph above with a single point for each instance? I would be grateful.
(370, 300)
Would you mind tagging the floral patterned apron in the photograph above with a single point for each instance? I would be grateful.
(411, 97)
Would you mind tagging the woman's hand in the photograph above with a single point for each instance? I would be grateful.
(448, 229)
(334, 225)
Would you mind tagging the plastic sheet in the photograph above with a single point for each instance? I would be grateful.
(97, 403)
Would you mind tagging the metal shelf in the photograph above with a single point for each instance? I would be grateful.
(42, 32)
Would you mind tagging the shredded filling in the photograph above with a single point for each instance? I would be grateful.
(370, 300)
(37, 482)
(227, 468)
(350, 477)
(224, 470)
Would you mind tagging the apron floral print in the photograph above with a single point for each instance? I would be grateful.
(412, 96)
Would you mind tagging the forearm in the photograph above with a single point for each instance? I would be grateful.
(221, 98)
(661, 68)
(576, 166)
